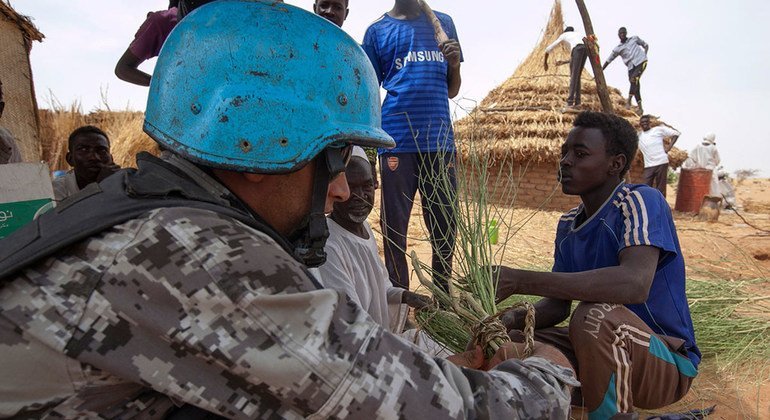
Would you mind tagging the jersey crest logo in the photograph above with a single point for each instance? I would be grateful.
(392, 163)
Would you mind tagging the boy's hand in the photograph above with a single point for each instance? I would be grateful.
(451, 51)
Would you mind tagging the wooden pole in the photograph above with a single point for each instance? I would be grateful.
(441, 36)
(593, 56)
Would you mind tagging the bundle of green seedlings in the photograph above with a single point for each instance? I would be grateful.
(730, 325)
(467, 311)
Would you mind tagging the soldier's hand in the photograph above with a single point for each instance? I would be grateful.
(451, 51)
(415, 300)
(473, 359)
(516, 351)
(507, 351)
(106, 171)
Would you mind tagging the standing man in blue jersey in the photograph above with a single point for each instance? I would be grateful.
(631, 337)
(419, 76)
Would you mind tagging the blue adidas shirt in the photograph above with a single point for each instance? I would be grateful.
(413, 71)
(633, 215)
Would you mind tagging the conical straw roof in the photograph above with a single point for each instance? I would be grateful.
(522, 119)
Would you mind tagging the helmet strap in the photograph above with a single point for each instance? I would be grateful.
(309, 247)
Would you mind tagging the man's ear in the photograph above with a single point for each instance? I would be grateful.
(347, 12)
(68, 158)
(254, 178)
(617, 163)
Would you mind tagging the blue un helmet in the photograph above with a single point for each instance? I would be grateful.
(261, 87)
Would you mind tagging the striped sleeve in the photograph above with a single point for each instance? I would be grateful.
(562, 230)
(646, 220)
(371, 47)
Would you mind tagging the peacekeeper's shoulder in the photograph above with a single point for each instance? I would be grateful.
(184, 239)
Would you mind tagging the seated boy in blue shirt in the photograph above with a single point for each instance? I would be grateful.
(630, 338)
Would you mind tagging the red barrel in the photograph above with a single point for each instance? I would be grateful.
(694, 184)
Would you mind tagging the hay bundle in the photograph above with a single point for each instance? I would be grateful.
(55, 127)
(123, 127)
(126, 134)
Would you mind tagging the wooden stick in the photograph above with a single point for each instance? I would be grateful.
(593, 56)
(441, 36)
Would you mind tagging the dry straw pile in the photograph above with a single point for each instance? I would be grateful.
(123, 127)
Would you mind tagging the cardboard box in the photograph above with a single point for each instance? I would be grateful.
(25, 193)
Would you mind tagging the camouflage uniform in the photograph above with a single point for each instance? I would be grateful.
(186, 305)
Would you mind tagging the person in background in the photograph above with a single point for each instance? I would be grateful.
(655, 152)
(419, 76)
(633, 51)
(146, 44)
(88, 152)
(706, 156)
(631, 336)
(578, 56)
(353, 264)
(335, 11)
(150, 38)
(9, 151)
(726, 190)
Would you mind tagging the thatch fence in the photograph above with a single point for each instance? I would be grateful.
(17, 33)
(123, 127)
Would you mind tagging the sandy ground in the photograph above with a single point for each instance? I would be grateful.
(736, 247)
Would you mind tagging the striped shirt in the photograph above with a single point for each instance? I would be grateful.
(413, 71)
(634, 215)
(632, 52)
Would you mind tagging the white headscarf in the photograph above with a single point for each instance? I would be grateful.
(358, 151)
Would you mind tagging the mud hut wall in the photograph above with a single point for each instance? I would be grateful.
(533, 183)
(20, 115)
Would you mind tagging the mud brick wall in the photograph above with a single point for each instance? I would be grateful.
(532, 186)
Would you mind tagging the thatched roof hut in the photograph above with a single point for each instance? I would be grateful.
(519, 127)
(20, 117)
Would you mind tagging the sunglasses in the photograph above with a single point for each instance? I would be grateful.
(337, 158)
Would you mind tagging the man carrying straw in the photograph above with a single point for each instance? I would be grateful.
(631, 337)
(578, 56)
